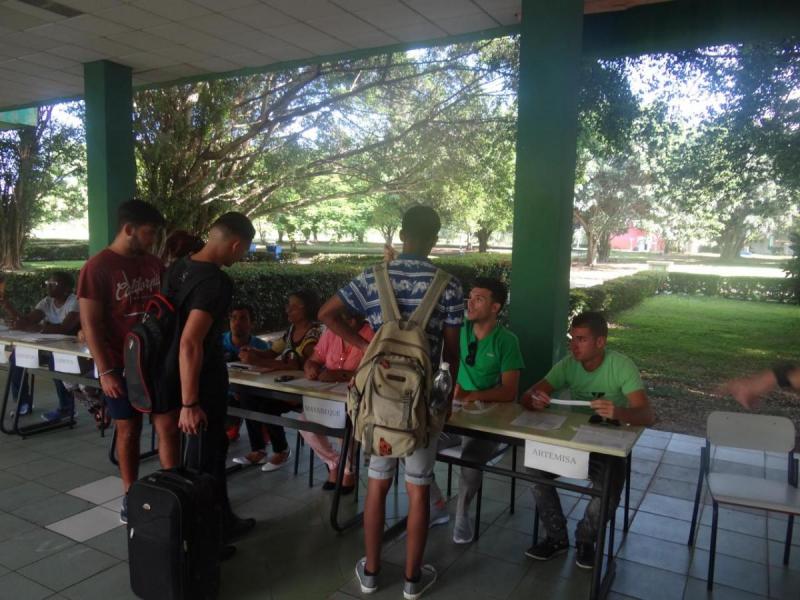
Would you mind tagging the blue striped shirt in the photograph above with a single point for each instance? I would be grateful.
(410, 277)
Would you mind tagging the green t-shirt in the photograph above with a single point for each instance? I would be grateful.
(497, 353)
(615, 378)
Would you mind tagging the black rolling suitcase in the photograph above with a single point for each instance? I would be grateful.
(174, 536)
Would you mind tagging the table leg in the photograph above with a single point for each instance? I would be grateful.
(337, 492)
(6, 394)
(601, 583)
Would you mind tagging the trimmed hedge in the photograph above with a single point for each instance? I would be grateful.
(616, 295)
(762, 289)
(50, 250)
(266, 285)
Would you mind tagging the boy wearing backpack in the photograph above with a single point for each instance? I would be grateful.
(405, 282)
(114, 287)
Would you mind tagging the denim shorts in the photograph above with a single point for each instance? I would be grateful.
(120, 408)
(419, 465)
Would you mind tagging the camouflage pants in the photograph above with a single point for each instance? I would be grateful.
(549, 504)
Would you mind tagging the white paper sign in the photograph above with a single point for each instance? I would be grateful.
(329, 413)
(557, 459)
(3, 355)
(26, 357)
(66, 363)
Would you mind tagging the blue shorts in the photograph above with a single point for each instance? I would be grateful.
(120, 408)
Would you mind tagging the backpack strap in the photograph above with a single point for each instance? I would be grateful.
(435, 290)
(389, 309)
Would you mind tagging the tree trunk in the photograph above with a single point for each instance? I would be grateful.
(604, 248)
(483, 239)
(591, 249)
(388, 235)
(280, 236)
(732, 240)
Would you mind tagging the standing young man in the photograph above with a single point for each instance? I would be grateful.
(489, 372)
(411, 274)
(113, 289)
(203, 314)
(612, 383)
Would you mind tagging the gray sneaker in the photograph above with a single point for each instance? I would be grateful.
(414, 589)
(462, 532)
(368, 583)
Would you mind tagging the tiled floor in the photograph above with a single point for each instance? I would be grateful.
(60, 537)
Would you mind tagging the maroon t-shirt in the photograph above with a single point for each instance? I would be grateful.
(123, 285)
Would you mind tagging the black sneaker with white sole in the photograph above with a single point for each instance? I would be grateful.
(584, 557)
(547, 549)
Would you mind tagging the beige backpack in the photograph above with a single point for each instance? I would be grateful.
(388, 401)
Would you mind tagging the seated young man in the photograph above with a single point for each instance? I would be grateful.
(335, 360)
(488, 372)
(55, 313)
(240, 335)
(612, 383)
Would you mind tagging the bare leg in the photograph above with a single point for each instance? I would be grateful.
(417, 527)
(169, 441)
(374, 520)
(128, 433)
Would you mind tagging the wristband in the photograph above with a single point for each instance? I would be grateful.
(191, 404)
(104, 373)
(781, 373)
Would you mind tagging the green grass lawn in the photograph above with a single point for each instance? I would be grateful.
(687, 346)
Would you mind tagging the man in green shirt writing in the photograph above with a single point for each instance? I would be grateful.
(488, 372)
(611, 382)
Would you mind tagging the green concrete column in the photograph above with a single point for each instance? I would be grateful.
(550, 53)
(109, 147)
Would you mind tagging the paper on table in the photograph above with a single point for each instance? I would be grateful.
(570, 402)
(52, 337)
(476, 408)
(539, 420)
(339, 388)
(240, 366)
(610, 437)
(309, 384)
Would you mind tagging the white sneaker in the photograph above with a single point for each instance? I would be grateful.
(414, 590)
(271, 466)
(462, 532)
(439, 516)
(251, 458)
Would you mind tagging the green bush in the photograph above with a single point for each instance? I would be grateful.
(763, 289)
(48, 250)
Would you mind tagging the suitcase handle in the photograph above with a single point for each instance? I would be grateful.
(185, 448)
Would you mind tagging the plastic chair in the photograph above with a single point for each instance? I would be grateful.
(750, 432)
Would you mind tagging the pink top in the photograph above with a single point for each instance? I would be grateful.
(335, 354)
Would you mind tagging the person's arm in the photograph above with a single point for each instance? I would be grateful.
(331, 315)
(313, 369)
(537, 397)
(505, 392)
(68, 326)
(30, 322)
(748, 391)
(91, 316)
(256, 357)
(190, 357)
(638, 412)
(295, 362)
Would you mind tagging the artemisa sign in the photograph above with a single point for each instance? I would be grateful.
(556, 459)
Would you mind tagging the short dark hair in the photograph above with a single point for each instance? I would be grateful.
(498, 289)
(138, 212)
(65, 279)
(236, 224)
(594, 321)
(310, 302)
(243, 306)
(421, 223)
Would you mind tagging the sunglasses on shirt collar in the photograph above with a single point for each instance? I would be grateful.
(472, 351)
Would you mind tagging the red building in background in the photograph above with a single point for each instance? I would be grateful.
(638, 240)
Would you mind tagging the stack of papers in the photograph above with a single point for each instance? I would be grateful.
(539, 420)
(609, 437)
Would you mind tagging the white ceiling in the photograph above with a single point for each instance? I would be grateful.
(41, 52)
